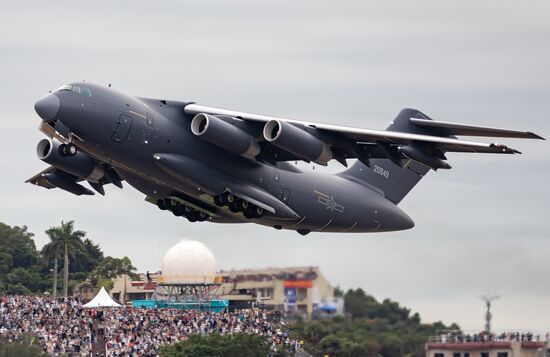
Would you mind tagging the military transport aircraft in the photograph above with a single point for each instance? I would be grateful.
(225, 166)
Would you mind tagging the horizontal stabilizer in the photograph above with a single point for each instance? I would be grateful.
(446, 128)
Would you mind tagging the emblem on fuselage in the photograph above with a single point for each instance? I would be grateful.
(329, 202)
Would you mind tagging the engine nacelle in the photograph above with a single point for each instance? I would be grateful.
(225, 135)
(80, 165)
(297, 141)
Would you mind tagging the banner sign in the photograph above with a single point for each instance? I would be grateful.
(306, 284)
(290, 296)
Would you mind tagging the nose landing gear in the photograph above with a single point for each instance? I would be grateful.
(67, 150)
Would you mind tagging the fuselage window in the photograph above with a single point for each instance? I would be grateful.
(76, 89)
(86, 92)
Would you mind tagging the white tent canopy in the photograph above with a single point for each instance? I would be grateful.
(102, 299)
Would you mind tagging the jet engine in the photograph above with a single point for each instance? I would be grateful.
(297, 141)
(79, 165)
(225, 135)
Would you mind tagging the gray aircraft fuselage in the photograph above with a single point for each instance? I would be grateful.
(131, 134)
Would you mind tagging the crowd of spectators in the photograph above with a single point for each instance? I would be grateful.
(461, 337)
(64, 326)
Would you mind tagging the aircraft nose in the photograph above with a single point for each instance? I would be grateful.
(47, 107)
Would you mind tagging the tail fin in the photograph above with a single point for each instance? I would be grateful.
(392, 176)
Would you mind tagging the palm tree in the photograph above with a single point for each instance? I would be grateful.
(51, 251)
(69, 240)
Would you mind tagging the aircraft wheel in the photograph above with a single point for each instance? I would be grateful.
(218, 201)
(162, 204)
(167, 203)
(228, 198)
(171, 204)
(242, 205)
(233, 207)
(71, 149)
(191, 217)
(62, 150)
(248, 214)
(188, 210)
(201, 216)
(257, 212)
(179, 211)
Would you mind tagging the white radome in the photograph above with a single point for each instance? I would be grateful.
(189, 262)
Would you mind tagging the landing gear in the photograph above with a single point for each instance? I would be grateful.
(257, 212)
(228, 199)
(67, 150)
(162, 205)
(236, 205)
(242, 205)
(218, 201)
(181, 210)
(233, 207)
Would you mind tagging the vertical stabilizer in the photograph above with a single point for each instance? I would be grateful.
(394, 177)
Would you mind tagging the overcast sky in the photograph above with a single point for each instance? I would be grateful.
(482, 227)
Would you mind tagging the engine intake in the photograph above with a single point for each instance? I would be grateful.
(297, 141)
(80, 165)
(225, 135)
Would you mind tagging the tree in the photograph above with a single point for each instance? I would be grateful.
(28, 278)
(18, 244)
(5, 263)
(110, 268)
(215, 345)
(87, 259)
(71, 241)
(27, 346)
(17, 251)
(375, 329)
(51, 251)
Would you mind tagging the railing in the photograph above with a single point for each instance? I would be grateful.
(455, 336)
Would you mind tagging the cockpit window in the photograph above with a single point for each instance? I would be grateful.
(82, 91)
(66, 87)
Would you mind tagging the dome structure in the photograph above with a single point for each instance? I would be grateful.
(188, 262)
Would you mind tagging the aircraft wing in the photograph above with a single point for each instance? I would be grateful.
(414, 128)
(39, 179)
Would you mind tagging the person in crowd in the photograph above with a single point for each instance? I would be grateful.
(65, 327)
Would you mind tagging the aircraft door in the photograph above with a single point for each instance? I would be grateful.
(122, 128)
(275, 187)
(285, 195)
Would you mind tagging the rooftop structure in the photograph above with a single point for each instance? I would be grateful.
(295, 290)
(459, 344)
